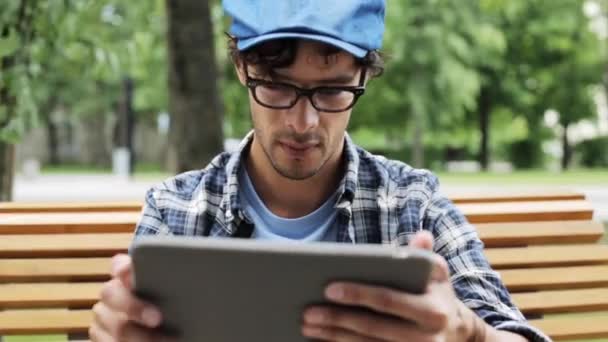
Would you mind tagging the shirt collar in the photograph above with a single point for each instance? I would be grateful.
(230, 201)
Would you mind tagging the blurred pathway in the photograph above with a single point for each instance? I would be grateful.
(105, 187)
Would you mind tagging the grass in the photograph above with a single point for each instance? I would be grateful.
(540, 177)
(37, 338)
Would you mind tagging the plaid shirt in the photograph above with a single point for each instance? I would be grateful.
(380, 201)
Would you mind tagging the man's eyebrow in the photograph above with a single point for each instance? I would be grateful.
(340, 79)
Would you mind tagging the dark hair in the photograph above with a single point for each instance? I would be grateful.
(280, 53)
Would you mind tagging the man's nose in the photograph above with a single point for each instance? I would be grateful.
(303, 117)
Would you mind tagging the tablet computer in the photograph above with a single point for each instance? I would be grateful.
(217, 289)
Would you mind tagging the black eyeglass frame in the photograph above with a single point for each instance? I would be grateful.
(357, 91)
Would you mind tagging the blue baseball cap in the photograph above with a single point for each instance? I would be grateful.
(355, 26)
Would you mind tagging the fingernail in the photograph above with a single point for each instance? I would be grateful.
(150, 316)
(117, 265)
(315, 316)
(335, 292)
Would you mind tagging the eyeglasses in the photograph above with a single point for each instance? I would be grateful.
(278, 95)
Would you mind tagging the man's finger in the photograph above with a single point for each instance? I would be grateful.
(364, 324)
(334, 334)
(120, 299)
(98, 334)
(421, 309)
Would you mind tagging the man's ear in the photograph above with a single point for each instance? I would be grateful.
(240, 72)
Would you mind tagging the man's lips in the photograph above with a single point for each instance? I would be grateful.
(298, 146)
(297, 150)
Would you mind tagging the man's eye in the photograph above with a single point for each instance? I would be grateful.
(330, 92)
(275, 87)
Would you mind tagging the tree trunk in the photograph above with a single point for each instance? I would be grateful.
(125, 125)
(484, 107)
(418, 142)
(7, 170)
(53, 141)
(196, 134)
(566, 151)
(7, 150)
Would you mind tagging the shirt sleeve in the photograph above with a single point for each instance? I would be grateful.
(151, 221)
(475, 283)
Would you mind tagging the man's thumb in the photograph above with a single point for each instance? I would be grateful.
(122, 269)
(423, 239)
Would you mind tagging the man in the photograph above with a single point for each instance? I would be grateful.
(298, 176)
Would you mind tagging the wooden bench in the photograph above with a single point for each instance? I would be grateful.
(52, 264)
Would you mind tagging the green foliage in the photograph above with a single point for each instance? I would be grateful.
(72, 56)
(525, 154)
(430, 73)
(593, 152)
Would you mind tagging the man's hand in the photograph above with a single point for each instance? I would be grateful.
(436, 315)
(120, 316)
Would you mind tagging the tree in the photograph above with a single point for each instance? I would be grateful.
(431, 80)
(20, 36)
(195, 107)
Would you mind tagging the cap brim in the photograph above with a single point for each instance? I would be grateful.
(246, 43)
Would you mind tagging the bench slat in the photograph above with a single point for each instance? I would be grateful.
(521, 195)
(527, 211)
(64, 245)
(78, 321)
(38, 295)
(493, 234)
(82, 295)
(547, 256)
(62, 269)
(553, 278)
(44, 321)
(74, 245)
(569, 328)
(57, 223)
(545, 302)
(126, 221)
(69, 207)
(539, 233)
(98, 269)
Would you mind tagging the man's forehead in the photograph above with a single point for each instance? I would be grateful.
(313, 56)
(315, 67)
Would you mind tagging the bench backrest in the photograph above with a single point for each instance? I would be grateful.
(52, 264)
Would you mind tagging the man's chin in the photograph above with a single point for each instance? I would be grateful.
(295, 173)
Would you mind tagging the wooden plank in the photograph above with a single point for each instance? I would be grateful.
(98, 269)
(41, 295)
(546, 302)
(521, 195)
(44, 321)
(44, 223)
(93, 245)
(547, 256)
(68, 207)
(570, 328)
(78, 321)
(61, 269)
(527, 211)
(553, 278)
(64, 245)
(56, 223)
(539, 233)
(38, 295)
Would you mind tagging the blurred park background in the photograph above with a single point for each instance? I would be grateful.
(101, 99)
